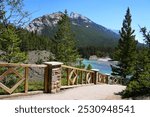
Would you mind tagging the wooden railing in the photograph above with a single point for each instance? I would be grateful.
(75, 76)
(102, 78)
(115, 80)
(55, 76)
(13, 71)
(108, 79)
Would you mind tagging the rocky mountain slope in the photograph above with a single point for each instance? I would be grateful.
(87, 33)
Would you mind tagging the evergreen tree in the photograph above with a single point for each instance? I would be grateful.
(65, 50)
(89, 67)
(140, 82)
(146, 36)
(81, 64)
(10, 43)
(125, 53)
(12, 15)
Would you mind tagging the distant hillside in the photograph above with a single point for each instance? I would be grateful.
(116, 31)
(87, 33)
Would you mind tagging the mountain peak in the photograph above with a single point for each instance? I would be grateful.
(54, 15)
(49, 20)
(85, 30)
(79, 16)
(75, 15)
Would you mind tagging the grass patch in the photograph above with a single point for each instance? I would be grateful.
(64, 82)
(34, 85)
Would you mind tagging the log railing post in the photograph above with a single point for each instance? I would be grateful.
(85, 78)
(81, 77)
(46, 79)
(107, 79)
(26, 79)
(52, 80)
(77, 77)
(95, 78)
(68, 81)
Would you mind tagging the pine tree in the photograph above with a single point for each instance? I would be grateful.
(10, 43)
(65, 50)
(89, 67)
(12, 15)
(125, 53)
(146, 35)
(140, 82)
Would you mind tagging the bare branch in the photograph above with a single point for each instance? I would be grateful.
(11, 12)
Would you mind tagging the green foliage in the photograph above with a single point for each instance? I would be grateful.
(89, 67)
(34, 85)
(81, 65)
(10, 43)
(140, 82)
(93, 36)
(146, 35)
(32, 41)
(93, 39)
(125, 53)
(65, 50)
(86, 52)
(64, 81)
(9, 40)
(11, 16)
(10, 80)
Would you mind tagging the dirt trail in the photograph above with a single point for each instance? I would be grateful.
(92, 92)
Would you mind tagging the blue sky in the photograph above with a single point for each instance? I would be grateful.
(109, 13)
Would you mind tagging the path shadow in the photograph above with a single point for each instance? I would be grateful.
(120, 94)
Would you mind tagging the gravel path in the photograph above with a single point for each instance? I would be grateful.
(91, 92)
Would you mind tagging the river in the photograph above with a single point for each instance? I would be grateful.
(103, 66)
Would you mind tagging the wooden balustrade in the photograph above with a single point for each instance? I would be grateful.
(102, 78)
(75, 76)
(55, 75)
(12, 69)
(114, 80)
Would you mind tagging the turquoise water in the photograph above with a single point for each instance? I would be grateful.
(102, 66)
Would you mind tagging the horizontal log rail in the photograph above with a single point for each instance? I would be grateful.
(55, 76)
(21, 65)
(11, 70)
(69, 67)
(75, 76)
